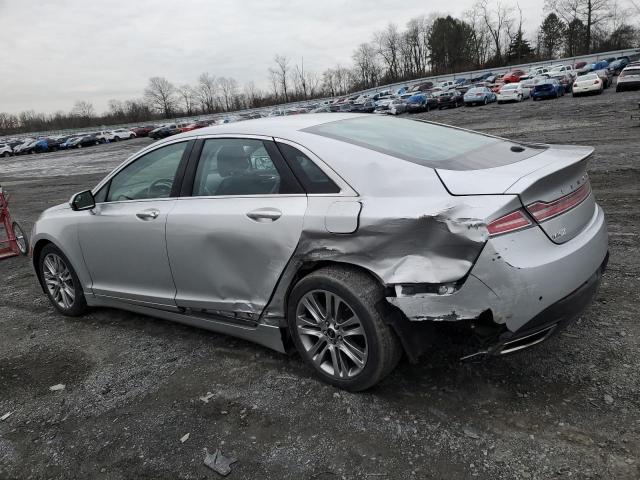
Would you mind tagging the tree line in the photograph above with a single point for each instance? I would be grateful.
(490, 34)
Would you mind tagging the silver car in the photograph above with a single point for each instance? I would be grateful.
(350, 238)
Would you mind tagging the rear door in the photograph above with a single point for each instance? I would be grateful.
(230, 238)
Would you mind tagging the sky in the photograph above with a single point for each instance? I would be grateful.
(57, 52)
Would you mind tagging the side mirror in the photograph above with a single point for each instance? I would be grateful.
(82, 201)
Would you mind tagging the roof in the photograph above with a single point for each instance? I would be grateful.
(283, 126)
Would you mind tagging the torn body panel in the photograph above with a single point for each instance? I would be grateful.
(403, 240)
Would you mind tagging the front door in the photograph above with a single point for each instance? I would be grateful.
(123, 238)
(230, 241)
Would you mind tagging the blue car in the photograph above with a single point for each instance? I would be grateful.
(479, 96)
(550, 88)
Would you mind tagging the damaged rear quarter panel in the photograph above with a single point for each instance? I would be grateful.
(419, 235)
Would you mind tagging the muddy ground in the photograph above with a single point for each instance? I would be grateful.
(568, 409)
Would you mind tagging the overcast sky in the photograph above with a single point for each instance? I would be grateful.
(54, 53)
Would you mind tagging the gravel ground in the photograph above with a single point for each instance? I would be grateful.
(569, 408)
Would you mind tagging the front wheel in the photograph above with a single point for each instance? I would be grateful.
(61, 282)
(21, 238)
(486, 101)
(336, 319)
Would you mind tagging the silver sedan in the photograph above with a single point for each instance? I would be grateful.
(350, 238)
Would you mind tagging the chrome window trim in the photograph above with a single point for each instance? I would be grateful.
(345, 189)
(268, 195)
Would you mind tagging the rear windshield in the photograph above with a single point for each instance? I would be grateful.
(425, 143)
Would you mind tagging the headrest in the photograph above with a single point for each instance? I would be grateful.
(232, 159)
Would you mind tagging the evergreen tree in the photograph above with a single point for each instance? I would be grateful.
(552, 33)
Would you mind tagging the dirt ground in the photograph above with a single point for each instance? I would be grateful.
(567, 409)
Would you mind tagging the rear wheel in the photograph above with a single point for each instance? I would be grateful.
(116, 139)
(336, 320)
(486, 100)
(61, 282)
(6, 154)
(21, 239)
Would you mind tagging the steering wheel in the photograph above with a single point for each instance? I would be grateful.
(161, 188)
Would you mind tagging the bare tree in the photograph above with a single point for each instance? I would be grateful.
(388, 44)
(83, 109)
(366, 63)
(187, 98)
(498, 21)
(590, 12)
(206, 92)
(281, 73)
(160, 95)
(229, 91)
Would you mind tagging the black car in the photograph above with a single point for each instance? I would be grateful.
(421, 102)
(450, 99)
(50, 144)
(164, 131)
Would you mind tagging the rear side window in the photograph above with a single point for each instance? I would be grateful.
(239, 166)
(424, 143)
(312, 178)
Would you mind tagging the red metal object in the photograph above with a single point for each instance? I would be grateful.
(15, 242)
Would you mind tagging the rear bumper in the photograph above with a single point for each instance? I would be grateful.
(635, 85)
(552, 319)
(586, 89)
(517, 278)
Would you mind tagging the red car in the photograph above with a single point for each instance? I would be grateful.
(143, 131)
(579, 65)
(513, 76)
(193, 126)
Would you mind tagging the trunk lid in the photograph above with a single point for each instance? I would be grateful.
(552, 185)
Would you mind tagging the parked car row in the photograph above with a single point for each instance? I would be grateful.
(514, 86)
(21, 146)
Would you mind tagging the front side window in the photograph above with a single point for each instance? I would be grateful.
(237, 166)
(150, 176)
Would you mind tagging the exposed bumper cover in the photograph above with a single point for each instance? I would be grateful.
(516, 277)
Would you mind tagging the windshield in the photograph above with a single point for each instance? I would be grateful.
(423, 143)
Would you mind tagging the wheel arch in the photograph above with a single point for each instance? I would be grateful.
(35, 258)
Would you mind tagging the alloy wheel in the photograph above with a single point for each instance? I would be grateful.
(21, 239)
(58, 279)
(331, 334)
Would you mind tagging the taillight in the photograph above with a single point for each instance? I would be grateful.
(511, 222)
(545, 210)
(597, 82)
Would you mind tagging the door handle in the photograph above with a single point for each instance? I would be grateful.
(263, 214)
(150, 214)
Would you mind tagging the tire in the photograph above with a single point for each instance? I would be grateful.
(116, 139)
(79, 145)
(6, 154)
(519, 98)
(22, 241)
(132, 136)
(358, 300)
(54, 270)
(486, 101)
(428, 108)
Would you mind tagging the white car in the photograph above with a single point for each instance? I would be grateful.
(568, 69)
(589, 83)
(105, 136)
(122, 134)
(629, 78)
(447, 85)
(538, 71)
(27, 146)
(5, 150)
(513, 92)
